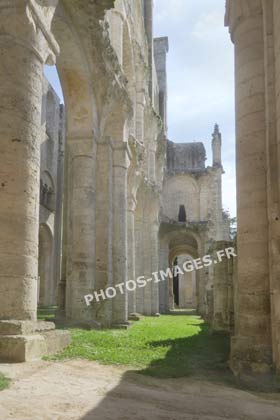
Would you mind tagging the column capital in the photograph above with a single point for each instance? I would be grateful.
(237, 11)
(28, 23)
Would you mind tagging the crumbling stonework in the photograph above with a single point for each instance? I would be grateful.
(101, 207)
(195, 191)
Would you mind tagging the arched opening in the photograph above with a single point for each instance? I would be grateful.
(178, 248)
(184, 283)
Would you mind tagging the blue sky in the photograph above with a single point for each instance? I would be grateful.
(200, 78)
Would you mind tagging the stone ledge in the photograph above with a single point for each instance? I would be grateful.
(21, 348)
(14, 327)
(32, 341)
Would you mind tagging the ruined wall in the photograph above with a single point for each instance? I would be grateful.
(189, 183)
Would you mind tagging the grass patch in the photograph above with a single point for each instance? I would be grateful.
(168, 346)
(46, 313)
(4, 382)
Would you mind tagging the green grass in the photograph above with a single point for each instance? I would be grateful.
(4, 382)
(168, 346)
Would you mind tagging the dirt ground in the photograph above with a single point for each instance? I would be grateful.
(79, 389)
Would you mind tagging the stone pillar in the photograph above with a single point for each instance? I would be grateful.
(160, 52)
(163, 285)
(61, 293)
(116, 30)
(81, 229)
(148, 20)
(131, 252)
(26, 44)
(59, 209)
(251, 345)
(139, 261)
(147, 254)
(23, 55)
(103, 233)
(154, 249)
(119, 239)
(222, 290)
(272, 43)
(271, 19)
(152, 162)
(140, 106)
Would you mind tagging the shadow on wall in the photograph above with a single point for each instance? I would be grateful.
(188, 361)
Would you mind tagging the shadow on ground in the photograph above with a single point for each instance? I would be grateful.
(193, 381)
(201, 355)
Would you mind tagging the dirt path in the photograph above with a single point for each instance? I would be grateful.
(80, 389)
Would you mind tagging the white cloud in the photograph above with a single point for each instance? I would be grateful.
(170, 10)
(200, 78)
(209, 27)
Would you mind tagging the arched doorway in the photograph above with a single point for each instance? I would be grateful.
(184, 283)
(178, 246)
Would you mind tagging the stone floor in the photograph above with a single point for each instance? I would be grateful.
(80, 389)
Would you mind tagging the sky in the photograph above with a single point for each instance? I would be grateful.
(200, 72)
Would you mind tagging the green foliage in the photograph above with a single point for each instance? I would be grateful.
(4, 382)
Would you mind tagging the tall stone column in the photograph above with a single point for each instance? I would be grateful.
(24, 51)
(116, 29)
(152, 162)
(163, 285)
(139, 261)
(222, 290)
(148, 21)
(140, 106)
(131, 252)
(154, 247)
(81, 229)
(26, 44)
(121, 162)
(251, 345)
(103, 232)
(271, 46)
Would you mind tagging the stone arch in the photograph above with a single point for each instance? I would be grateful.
(181, 245)
(185, 283)
(76, 79)
(46, 286)
(176, 240)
